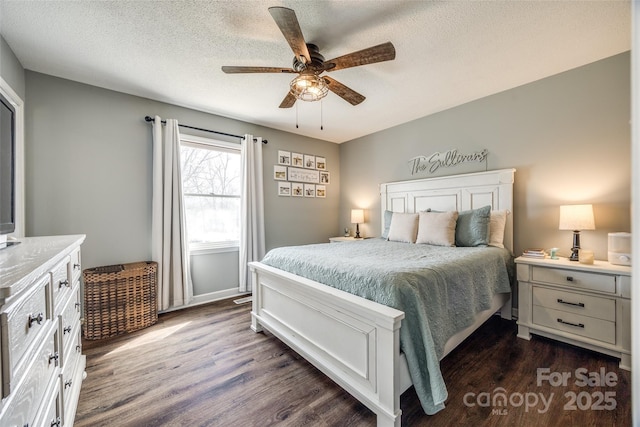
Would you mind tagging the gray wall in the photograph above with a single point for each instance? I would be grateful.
(11, 70)
(568, 136)
(88, 170)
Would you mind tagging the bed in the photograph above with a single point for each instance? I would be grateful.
(357, 341)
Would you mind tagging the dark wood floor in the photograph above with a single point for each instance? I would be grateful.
(204, 367)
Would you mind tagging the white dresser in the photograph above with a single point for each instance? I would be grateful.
(581, 304)
(41, 359)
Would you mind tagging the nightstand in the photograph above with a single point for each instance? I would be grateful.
(585, 305)
(345, 239)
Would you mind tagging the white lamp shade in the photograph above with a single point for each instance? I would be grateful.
(577, 217)
(357, 216)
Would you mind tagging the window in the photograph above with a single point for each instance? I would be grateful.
(211, 188)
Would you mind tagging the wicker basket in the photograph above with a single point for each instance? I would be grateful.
(119, 298)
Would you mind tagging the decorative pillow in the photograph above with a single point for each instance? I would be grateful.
(497, 222)
(387, 223)
(472, 228)
(404, 227)
(437, 228)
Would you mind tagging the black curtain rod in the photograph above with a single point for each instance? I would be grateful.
(164, 122)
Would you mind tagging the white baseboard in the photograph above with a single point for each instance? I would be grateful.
(210, 297)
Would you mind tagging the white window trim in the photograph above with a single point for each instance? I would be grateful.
(19, 181)
(199, 140)
(213, 248)
(202, 248)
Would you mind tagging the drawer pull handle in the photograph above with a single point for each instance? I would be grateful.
(577, 304)
(56, 423)
(569, 278)
(62, 283)
(77, 305)
(54, 358)
(76, 266)
(78, 348)
(67, 384)
(577, 325)
(66, 330)
(38, 318)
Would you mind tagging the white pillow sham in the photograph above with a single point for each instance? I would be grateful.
(403, 228)
(437, 228)
(497, 222)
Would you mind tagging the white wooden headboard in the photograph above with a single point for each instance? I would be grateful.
(456, 192)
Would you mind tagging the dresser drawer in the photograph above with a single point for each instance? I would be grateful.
(23, 323)
(575, 279)
(571, 302)
(576, 324)
(71, 376)
(60, 282)
(23, 403)
(68, 322)
(50, 413)
(75, 265)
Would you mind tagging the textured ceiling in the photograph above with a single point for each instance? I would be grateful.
(447, 53)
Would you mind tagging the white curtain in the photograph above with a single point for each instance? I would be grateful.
(252, 246)
(168, 228)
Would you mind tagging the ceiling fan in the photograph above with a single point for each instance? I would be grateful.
(309, 64)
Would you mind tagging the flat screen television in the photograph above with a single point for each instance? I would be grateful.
(7, 168)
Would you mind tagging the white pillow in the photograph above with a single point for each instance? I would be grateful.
(437, 228)
(497, 222)
(403, 228)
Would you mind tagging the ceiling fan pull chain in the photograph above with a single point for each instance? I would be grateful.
(296, 116)
(321, 117)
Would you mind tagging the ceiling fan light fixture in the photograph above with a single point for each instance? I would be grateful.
(309, 87)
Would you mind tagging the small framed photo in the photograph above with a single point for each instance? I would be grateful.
(297, 160)
(309, 161)
(321, 191)
(321, 163)
(297, 189)
(284, 158)
(284, 189)
(325, 178)
(279, 173)
(309, 190)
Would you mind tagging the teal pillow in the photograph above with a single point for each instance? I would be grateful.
(472, 228)
(387, 223)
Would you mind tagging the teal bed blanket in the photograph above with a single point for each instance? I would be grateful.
(440, 289)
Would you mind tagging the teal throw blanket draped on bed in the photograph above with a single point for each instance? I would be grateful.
(440, 289)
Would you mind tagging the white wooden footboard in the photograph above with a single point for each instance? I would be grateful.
(354, 341)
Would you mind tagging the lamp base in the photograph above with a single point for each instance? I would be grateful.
(357, 236)
(576, 246)
(574, 254)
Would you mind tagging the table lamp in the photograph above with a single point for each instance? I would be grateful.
(357, 218)
(576, 218)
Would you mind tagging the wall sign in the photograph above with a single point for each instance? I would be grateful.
(447, 159)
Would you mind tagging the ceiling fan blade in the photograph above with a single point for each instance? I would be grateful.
(288, 101)
(349, 95)
(233, 70)
(288, 24)
(371, 55)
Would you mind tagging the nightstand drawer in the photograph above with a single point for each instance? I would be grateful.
(571, 302)
(576, 324)
(575, 279)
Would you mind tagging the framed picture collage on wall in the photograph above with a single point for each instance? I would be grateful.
(301, 175)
